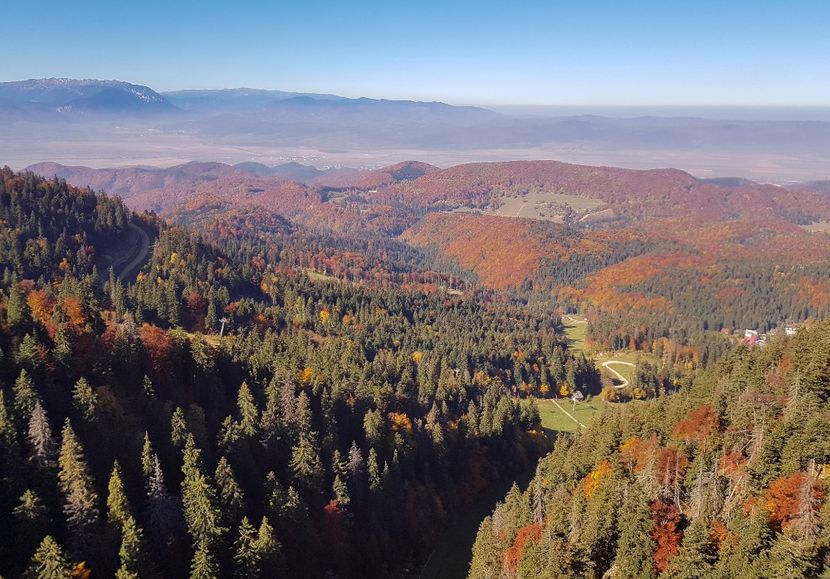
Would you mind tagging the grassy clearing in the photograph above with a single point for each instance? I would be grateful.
(212, 339)
(576, 329)
(554, 420)
(820, 227)
(317, 276)
(543, 206)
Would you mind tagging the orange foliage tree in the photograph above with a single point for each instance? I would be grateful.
(666, 533)
(513, 554)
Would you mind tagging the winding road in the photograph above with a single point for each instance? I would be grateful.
(607, 366)
(129, 265)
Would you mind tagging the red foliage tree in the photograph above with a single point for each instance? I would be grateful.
(698, 425)
(513, 554)
(666, 533)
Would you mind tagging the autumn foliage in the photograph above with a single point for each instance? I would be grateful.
(666, 533)
(513, 554)
(698, 425)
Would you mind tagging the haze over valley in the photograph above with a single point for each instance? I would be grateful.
(113, 124)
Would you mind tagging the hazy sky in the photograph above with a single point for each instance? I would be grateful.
(621, 52)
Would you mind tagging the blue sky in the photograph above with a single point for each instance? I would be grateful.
(614, 52)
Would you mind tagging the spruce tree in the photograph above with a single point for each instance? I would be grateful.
(374, 471)
(84, 400)
(203, 565)
(18, 314)
(341, 491)
(118, 509)
(231, 497)
(31, 521)
(248, 411)
(41, 441)
(147, 459)
(163, 516)
(8, 437)
(48, 562)
(635, 545)
(306, 467)
(198, 499)
(130, 554)
(268, 550)
(25, 396)
(246, 556)
(80, 499)
(697, 553)
(178, 428)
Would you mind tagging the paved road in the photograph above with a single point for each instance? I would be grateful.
(127, 267)
(607, 366)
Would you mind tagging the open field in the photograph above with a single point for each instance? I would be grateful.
(543, 206)
(576, 328)
(821, 227)
(554, 420)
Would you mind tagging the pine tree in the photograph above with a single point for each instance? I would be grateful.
(162, 509)
(147, 459)
(306, 467)
(303, 415)
(178, 428)
(268, 550)
(697, 553)
(84, 400)
(635, 546)
(25, 396)
(44, 447)
(248, 411)
(148, 389)
(8, 436)
(246, 556)
(270, 420)
(48, 562)
(198, 499)
(341, 491)
(31, 521)
(203, 565)
(18, 314)
(794, 557)
(374, 471)
(355, 465)
(80, 498)
(118, 509)
(129, 554)
(231, 497)
(28, 354)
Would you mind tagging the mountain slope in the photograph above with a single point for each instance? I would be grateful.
(90, 96)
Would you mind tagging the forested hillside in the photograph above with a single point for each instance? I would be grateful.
(726, 478)
(331, 429)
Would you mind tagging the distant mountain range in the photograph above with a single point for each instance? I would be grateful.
(118, 123)
(66, 95)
